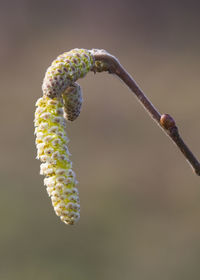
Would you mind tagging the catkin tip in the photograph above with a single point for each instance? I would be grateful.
(52, 150)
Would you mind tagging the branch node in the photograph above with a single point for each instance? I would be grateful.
(167, 121)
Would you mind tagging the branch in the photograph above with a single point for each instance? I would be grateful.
(106, 62)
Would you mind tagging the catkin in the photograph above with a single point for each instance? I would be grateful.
(65, 70)
(72, 100)
(61, 101)
(52, 150)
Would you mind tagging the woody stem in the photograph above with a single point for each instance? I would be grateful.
(106, 62)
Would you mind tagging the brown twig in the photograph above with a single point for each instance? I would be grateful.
(106, 62)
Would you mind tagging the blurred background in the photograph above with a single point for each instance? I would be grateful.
(140, 201)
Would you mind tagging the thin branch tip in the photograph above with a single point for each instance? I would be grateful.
(107, 62)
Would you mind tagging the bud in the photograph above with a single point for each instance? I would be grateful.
(167, 121)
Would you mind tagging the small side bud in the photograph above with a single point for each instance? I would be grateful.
(72, 100)
(167, 121)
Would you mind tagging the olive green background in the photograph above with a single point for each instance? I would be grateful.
(140, 201)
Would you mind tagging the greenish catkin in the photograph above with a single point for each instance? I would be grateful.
(65, 70)
(52, 150)
(61, 101)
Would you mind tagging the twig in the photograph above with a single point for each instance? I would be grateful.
(106, 62)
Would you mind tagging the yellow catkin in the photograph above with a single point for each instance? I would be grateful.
(61, 101)
(65, 70)
(52, 150)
